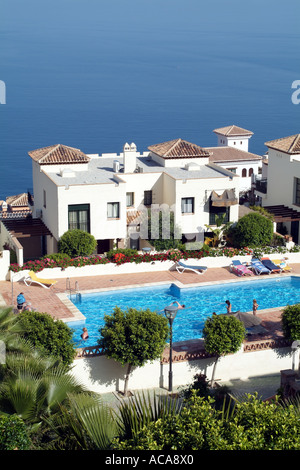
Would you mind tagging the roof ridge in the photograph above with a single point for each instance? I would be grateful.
(177, 141)
(53, 147)
(295, 143)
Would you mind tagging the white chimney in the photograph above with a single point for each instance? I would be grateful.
(116, 166)
(129, 157)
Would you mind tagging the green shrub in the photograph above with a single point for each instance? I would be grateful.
(125, 251)
(13, 433)
(291, 322)
(49, 336)
(252, 230)
(57, 256)
(77, 243)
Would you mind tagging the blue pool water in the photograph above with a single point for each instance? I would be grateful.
(200, 302)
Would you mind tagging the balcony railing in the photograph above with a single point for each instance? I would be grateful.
(261, 185)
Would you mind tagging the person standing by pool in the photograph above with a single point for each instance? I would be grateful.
(228, 306)
(255, 306)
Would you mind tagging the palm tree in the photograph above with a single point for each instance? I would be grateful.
(218, 232)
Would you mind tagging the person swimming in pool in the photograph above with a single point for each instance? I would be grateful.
(179, 305)
(85, 334)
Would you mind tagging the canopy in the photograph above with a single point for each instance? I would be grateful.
(227, 198)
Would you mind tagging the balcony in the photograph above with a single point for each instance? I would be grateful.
(261, 185)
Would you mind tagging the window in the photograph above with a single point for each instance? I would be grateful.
(217, 211)
(147, 198)
(233, 170)
(44, 199)
(129, 199)
(250, 172)
(297, 191)
(244, 172)
(187, 205)
(79, 217)
(113, 210)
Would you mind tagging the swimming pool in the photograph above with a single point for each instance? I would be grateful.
(200, 302)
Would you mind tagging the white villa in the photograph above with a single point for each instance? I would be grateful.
(280, 193)
(103, 194)
(232, 153)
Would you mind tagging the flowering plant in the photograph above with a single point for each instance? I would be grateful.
(170, 255)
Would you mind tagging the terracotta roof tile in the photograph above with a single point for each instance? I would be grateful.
(55, 154)
(178, 148)
(224, 154)
(18, 200)
(232, 131)
(290, 144)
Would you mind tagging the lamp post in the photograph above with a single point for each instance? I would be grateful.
(170, 313)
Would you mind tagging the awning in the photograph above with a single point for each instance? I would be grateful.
(23, 228)
(283, 213)
(227, 198)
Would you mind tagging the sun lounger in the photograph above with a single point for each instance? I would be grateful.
(270, 265)
(32, 278)
(283, 265)
(258, 267)
(240, 269)
(190, 264)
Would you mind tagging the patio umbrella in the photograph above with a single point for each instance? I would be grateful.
(248, 319)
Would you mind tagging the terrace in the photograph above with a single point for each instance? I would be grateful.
(45, 300)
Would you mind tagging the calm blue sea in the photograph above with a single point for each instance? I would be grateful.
(94, 74)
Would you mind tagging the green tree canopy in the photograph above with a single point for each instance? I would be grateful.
(223, 334)
(77, 243)
(133, 337)
(252, 425)
(291, 322)
(252, 230)
(49, 336)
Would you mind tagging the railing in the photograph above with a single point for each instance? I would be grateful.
(261, 185)
(15, 215)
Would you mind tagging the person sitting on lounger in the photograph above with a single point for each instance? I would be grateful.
(22, 304)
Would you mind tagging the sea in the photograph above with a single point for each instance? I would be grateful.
(95, 74)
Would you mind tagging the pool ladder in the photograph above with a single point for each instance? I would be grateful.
(74, 291)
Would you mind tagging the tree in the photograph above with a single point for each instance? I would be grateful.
(77, 243)
(251, 425)
(223, 334)
(291, 322)
(13, 433)
(252, 230)
(221, 228)
(49, 336)
(133, 337)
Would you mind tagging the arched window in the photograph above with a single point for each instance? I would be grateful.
(244, 172)
(250, 173)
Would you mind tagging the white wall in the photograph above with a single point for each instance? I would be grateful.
(240, 142)
(103, 375)
(4, 264)
(282, 169)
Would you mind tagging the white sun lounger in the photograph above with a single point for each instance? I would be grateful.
(190, 264)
